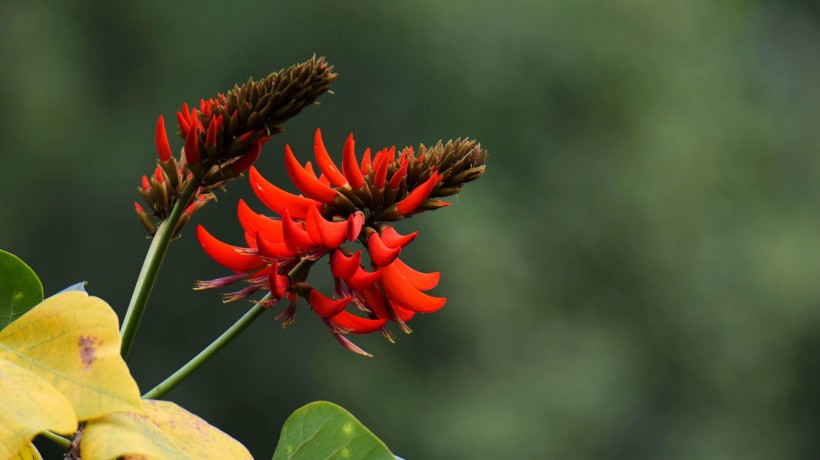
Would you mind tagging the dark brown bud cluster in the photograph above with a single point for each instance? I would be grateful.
(225, 135)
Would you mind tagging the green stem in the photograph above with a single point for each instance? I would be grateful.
(177, 377)
(150, 268)
(296, 274)
(57, 439)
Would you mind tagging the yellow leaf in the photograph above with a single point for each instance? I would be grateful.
(28, 453)
(165, 432)
(73, 341)
(29, 405)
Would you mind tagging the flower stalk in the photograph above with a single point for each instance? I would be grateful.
(185, 371)
(150, 268)
(231, 333)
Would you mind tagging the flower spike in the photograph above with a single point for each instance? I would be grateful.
(355, 205)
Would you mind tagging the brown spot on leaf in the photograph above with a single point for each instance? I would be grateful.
(88, 349)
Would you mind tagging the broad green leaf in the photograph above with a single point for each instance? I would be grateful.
(326, 431)
(20, 289)
(28, 453)
(28, 405)
(73, 341)
(165, 431)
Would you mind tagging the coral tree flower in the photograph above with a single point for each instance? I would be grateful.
(339, 208)
(224, 136)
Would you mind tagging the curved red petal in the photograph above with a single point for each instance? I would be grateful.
(294, 235)
(331, 234)
(354, 226)
(252, 222)
(325, 306)
(325, 163)
(305, 182)
(356, 324)
(245, 161)
(272, 249)
(161, 138)
(400, 291)
(350, 167)
(380, 176)
(363, 279)
(342, 266)
(279, 284)
(394, 239)
(365, 162)
(419, 280)
(192, 146)
(276, 199)
(381, 254)
(225, 254)
(375, 302)
(402, 314)
(417, 196)
(313, 223)
(395, 181)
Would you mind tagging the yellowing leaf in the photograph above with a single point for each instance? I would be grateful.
(29, 405)
(165, 432)
(28, 453)
(73, 341)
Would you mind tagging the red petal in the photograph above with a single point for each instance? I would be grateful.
(417, 196)
(184, 125)
(226, 254)
(277, 199)
(380, 176)
(365, 161)
(381, 254)
(210, 134)
(145, 184)
(354, 226)
(279, 284)
(402, 314)
(305, 182)
(350, 167)
(252, 222)
(344, 267)
(325, 163)
(331, 234)
(400, 291)
(325, 306)
(395, 181)
(375, 302)
(294, 235)
(161, 138)
(272, 249)
(192, 147)
(419, 280)
(246, 160)
(357, 324)
(363, 279)
(393, 239)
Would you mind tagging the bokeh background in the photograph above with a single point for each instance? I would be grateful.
(634, 277)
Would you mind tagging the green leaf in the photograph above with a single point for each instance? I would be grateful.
(324, 430)
(20, 289)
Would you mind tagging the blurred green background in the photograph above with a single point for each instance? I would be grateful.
(634, 277)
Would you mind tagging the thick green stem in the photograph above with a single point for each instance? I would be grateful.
(57, 439)
(171, 382)
(150, 268)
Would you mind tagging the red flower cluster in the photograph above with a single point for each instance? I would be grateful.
(340, 206)
(224, 136)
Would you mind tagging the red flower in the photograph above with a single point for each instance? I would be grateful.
(354, 204)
